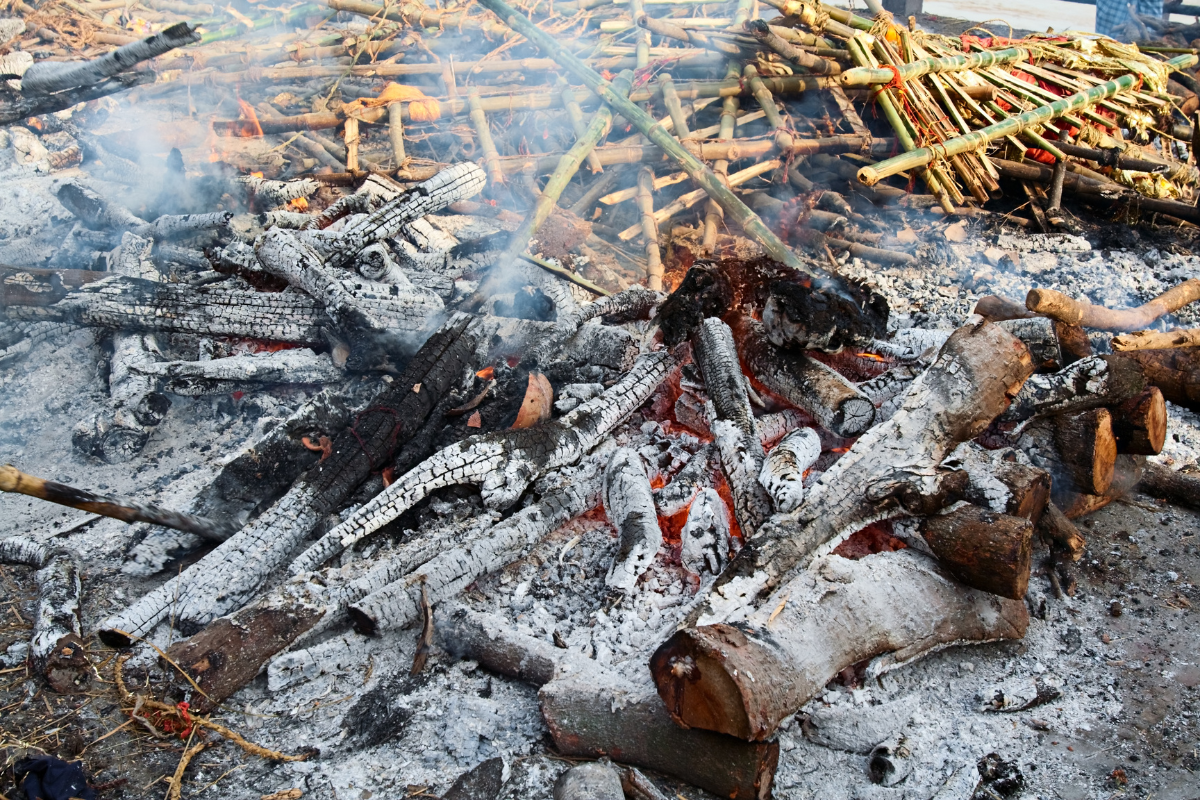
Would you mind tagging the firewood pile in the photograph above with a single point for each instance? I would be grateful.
(601, 293)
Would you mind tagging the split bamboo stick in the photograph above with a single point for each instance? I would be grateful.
(869, 76)
(396, 133)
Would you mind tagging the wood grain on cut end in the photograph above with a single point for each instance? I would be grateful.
(698, 674)
(1088, 448)
(1140, 423)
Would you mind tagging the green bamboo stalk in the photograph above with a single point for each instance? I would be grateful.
(491, 156)
(868, 76)
(575, 113)
(695, 168)
(674, 107)
(713, 213)
(783, 137)
(914, 159)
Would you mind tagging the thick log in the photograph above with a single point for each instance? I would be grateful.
(18, 107)
(294, 366)
(503, 463)
(806, 383)
(13, 480)
(629, 506)
(226, 577)
(1088, 383)
(892, 467)
(1040, 337)
(1126, 474)
(1140, 423)
(594, 781)
(983, 549)
(55, 76)
(56, 651)
(1080, 312)
(738, 442)
(1175, 372)
(998, 480)
(745, 679)
(593, 712)
(1180, 488)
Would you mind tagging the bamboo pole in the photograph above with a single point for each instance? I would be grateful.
(869, 76)
(674, 107)
(396, 133)
(350, 136)
(418, 15)
(770, 37)
(690, 199)
(648, 227)
(575, 113)
(714, 215)
(490, 155)
(920, 157)
(783, 137)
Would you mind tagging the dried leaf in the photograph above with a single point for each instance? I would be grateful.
(475, 421)
(539, 397)
(956, 232)
(907, 236)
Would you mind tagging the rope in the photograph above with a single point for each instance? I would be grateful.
(897, 81)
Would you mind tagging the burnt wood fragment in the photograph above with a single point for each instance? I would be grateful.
(1089, 383)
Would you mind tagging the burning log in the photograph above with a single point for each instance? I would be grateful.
(744, 680)
(1180, 488)
(227, 576)
(997, 309)
(694, 476)
(888, 470)
(101, 215)
(1080, 312)
(593, 712)
(982, 549)
(705, 540)
(48, 77)
(1041, 337)
(783, 473)
(1140, 423)
(503, 464)
(806, 383)
(13, 480)
(1175, 372)
(1088, 383)
(738, 441)
(629, 506)
(223, 375)
(56, 651)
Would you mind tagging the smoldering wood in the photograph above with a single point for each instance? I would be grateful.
(590, 781)
(56, 650)
(783, 473)
(705, 539)
(1088, 383)
(738, 443)
(804, 382)
(1140, 423)
(593, 712)
(1175, 372)
(269, 193)
(888, 470)
(13, 480)
(887, 390)
(1180, 488)
(232, 373)
(693, 477)
(1040, 337)
(629, 506)
(744, 679)
(1002, 480)
(47, 77)
(1077, 449)
(983, 549)
(502, 464)
(226, 577)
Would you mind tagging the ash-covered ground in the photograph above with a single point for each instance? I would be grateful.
(1121, 653)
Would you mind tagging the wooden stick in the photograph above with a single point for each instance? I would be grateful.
(696, 195)
(1140, 423)
(13, 480)
(47, 77)
(674, 107)
(418, 15)
(576, 116)
(1180, 488)
(396, 133)
(1080, 312)
(649, 229)
(490, 156)
(1157, 340)
(714, 215)
(865, 76)
(350, 136)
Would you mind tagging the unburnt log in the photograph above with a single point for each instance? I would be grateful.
(984, 549)
(1140, 423)
(1180, 488)
(743, 680)
(806, 383)
(1078, 450)
(55, 76)
(738, 443)
(1080, 312)
(1175, 372)
(1126, 474)
(225, 578)
(593, 712)
(783, 473)
(994, 308)
(398, 604)
(502, 464)
(629, 506)
(1060, 533)
(891, 469)
(56, 650)
(1088, 383)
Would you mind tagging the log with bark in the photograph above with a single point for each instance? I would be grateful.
(891, 469)
(1175, 372)
(1088, 383)
(1180, 488)
(983, 549)
(594, 712)
(56, 650)
(744, 679)
(1140, 423)
(1078, 450)
(225, 578)
(1126, 474)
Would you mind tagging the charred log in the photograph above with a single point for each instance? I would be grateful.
(1089, 383)
(47, 77)
(629, 506)
(783, 473)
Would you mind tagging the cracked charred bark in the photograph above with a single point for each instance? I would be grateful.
(54, 76)
(1088, 383)
(783, 473)
(744, 679)
(223, 375)
(892, 468)
(502, 464)
(629, 506)
(225, 578)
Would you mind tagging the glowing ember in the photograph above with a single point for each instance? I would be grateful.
(486, 374)
(299, 204)
(870, 356)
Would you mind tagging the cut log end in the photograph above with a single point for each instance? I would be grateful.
(983, 549)
(697, 678)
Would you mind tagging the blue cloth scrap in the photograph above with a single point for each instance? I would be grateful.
(1111, 15)
(50, 778)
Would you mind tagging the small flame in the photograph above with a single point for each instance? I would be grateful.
(839, 449)
(256, 174)
(871, 356)
(486, 374)
(299, 204)
(249, 127)
(34, 122)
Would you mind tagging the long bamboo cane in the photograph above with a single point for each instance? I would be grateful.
(869, 76)
(738, 211)
(914, 159)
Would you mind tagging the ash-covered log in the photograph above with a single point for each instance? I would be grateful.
(983, 549)
(226, 577)
(56, 651)
(593, 712)
(590, 781)
(806, 383)
(783, 473)
(629, 507)
(1002, 480)
(47, 77)
(892, 468)
(1089, 383)
(744, 679)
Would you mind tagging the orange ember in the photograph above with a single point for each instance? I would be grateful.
(298, 204)
(486, 374)
(871, 356)
(256, 174)
(249, 127)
